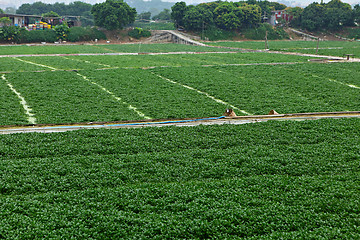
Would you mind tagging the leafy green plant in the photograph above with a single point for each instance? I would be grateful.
(259, 33)
(84, 34)
(139, 33)
(61, 31)
(34, 36)
(10, 33)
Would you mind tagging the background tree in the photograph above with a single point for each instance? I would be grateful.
(144, 16)
(313, 17)
(178, 12)
(252, 15)
(356, 13)
(333, 16)
(50, 14)
(228, 16)
(76, 8)
(10, 10)
(163, 15)
(198, 18)
(295, 12)
(1, 11)
(113, 14)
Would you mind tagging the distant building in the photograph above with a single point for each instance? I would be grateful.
(277, 15)
(20, 19)
(25, 20)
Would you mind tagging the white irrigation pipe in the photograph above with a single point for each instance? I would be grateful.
(31, 119)
(203, 93)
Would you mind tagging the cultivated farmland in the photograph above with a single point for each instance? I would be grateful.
(330, 48)
(269, 180)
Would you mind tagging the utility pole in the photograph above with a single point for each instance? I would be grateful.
(266, 41)
(317, 47)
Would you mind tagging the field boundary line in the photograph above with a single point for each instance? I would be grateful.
(336, 81)
(130, 107)
(203, 93)
(30, 118)
(37, 64)
(85, 61)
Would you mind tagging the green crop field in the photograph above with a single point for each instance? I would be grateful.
(99, 48)
(64, 89)
(268, 180)
(332, 48)
(290, 180)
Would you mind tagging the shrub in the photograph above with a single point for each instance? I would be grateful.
(214, 34)
(61, 31)
(10, 33)
(139, 33)
(84, 34)
(47, 35)
(260, 32)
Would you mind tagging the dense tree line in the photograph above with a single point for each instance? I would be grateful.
(237, 15)
(77, 8)
(223, 15)
(113, 14)
(332, 16)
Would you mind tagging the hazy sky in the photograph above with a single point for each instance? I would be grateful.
(303, 3)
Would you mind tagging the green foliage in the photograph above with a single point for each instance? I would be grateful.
(214, 34)
(356, 13)
(76, 8)
(152, 6)
(260, 32)
(84, 34)
(1, 11)
(158, 25)
(225, 15)
(139, 33)
(10, 33)
(296, 13)
(144, 16)
(228, 16)
(281, 180)
(352, 33)
(61, 31)
(5, 21)
(333, 16)
(113, 14)
(163, 15)
(50, 14)
(198, 18)
(47, 35)
(178, 12)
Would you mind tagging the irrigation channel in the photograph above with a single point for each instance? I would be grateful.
(50, 128)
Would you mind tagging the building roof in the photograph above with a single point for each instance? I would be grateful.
(18, 15)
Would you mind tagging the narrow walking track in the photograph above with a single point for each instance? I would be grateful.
(178, 122)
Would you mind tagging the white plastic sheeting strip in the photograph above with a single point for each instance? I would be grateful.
(204, 93)
(30, 116)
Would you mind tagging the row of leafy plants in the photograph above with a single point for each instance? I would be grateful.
(16, 34)
(272, 180)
